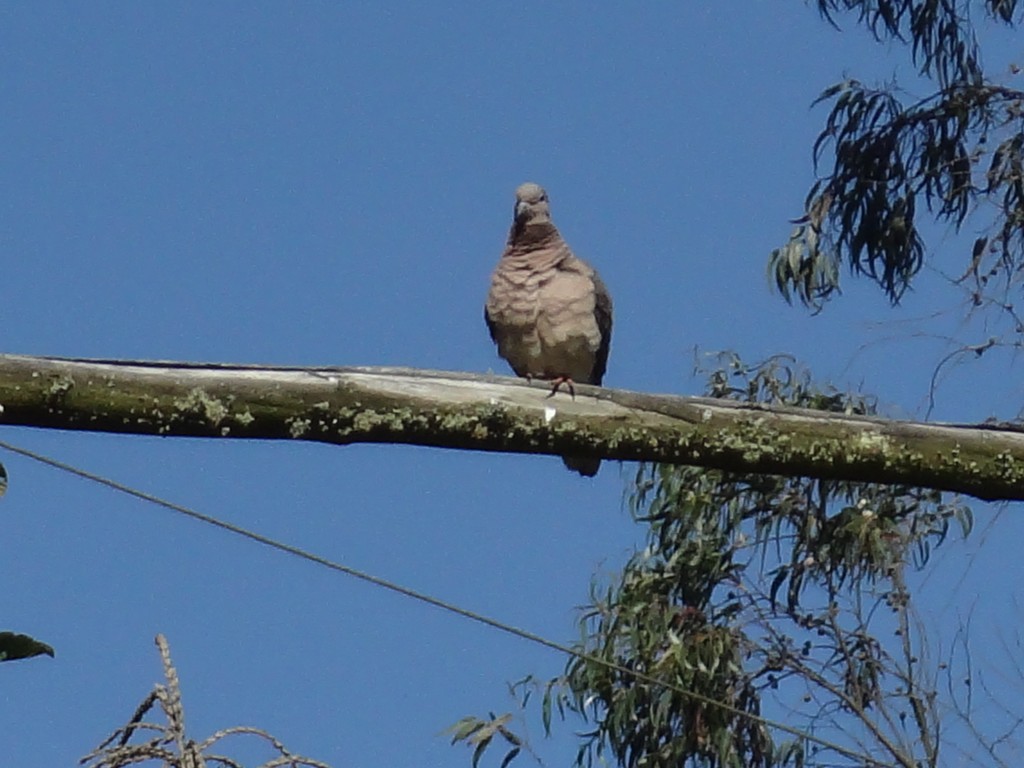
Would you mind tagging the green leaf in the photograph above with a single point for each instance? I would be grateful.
(780, 577)
(510, 737)
(464, 728)
(545, 711)
(509, 757)
(14, 646)
(480, 749)
(832, 90)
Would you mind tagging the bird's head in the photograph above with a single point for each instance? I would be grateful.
(531, 205)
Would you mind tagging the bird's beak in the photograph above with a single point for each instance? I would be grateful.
(521, 208)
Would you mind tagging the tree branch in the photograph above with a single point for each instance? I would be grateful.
(495, 413)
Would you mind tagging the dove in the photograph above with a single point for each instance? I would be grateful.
(547, 310)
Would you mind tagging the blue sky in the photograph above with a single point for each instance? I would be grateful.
(331, 184)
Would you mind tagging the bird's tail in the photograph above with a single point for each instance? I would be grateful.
(585, 465)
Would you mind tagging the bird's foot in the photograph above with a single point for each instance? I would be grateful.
(557, 384)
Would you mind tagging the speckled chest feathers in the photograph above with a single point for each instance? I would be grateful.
(548, 311)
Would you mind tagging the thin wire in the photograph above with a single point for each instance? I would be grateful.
(424, 598)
